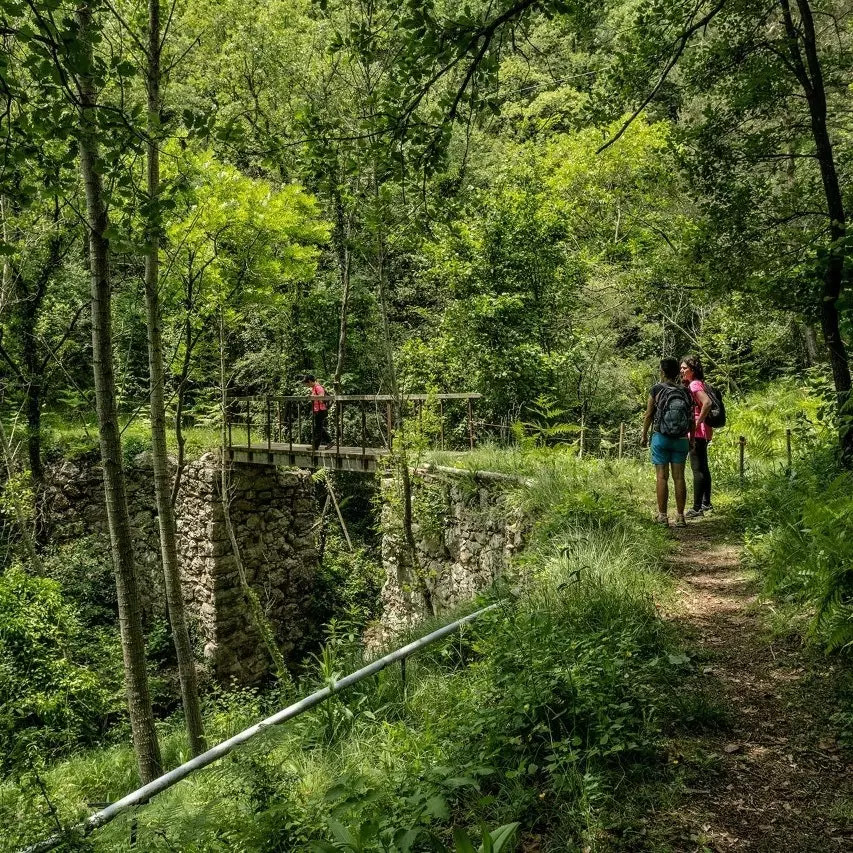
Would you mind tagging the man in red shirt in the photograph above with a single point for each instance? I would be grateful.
(320, 413)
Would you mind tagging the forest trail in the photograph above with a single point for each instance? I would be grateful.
(774, 779)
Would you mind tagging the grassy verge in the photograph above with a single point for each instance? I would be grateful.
(549, 713)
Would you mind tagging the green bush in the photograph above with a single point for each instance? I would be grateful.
(50, 691)
(801, 540)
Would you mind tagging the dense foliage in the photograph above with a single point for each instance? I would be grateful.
(531, 199)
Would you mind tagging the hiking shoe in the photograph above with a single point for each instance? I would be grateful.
(680, 521)
(694, 513)
(707, 508)
(662, 519)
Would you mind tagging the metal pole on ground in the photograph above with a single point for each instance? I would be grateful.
(470, 424)
(144, 794)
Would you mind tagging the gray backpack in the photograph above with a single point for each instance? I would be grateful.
(673, 411)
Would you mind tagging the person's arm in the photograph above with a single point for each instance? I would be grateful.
(647, 421)
(705, 402)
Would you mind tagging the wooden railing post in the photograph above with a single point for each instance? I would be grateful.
(289, 426)
(249, 423)
(742, 442)
(583, 431)
(441, 420)
(269, 424)
(470, 424)
(363, 430)
(339, 412)
(389, 418)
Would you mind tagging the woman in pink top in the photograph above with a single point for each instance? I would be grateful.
(693, 376)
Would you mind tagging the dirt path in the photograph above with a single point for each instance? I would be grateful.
(773, 779)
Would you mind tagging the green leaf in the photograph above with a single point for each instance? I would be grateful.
(462, 841)
(501, 837)
(341, 833)
(405, 838)
(437, 807)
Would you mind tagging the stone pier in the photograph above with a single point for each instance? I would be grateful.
(272, 512)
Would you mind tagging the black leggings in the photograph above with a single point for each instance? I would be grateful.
(701, 474)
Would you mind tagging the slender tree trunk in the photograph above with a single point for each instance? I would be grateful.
(403, 467)
(810, 76)
(160, 459)
(130, 619)
(253, 603)
(342, 235)
(18, 506)
(810, 337)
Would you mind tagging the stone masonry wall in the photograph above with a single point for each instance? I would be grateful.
(466, 534)
(272, 512)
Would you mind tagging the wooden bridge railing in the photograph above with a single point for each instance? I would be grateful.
(358, 422)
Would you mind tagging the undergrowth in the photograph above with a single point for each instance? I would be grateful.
(548, 713)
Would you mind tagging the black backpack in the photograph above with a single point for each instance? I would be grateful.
(717, 416)
(673, 411)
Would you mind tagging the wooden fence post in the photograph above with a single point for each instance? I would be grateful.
(742, 442)
(621, 438)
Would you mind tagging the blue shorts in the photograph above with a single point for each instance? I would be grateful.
(667, 450)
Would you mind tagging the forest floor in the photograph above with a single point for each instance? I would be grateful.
(767, 773)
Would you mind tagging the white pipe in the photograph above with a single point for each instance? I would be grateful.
(161, 783)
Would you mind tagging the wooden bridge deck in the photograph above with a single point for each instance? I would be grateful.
(285, 455)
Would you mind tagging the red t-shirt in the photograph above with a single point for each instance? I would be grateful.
(318, 391)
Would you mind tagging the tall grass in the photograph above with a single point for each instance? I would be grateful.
(537, 713)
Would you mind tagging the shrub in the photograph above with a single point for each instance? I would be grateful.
(50, 693)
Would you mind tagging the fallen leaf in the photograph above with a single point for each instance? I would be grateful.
(731, 748)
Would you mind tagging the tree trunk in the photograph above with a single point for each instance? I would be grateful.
(250, 597)
(400, 447)
(130, 619)
(159, 455)
(18, 506)
(810, 77)
(810, 337)
(342, 234)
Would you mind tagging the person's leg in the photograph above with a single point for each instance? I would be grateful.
(325, 437)
(706, 495)
(680, 487)
(662, 487)
(316, 427)
(697, 452)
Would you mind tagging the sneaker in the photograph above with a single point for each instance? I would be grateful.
(707, 508)
(662, 519)
(680, 521)
(694, 513)
(329, 446)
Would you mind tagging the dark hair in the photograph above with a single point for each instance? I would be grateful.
(669, 368)
(308, 377)
(694, 363)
